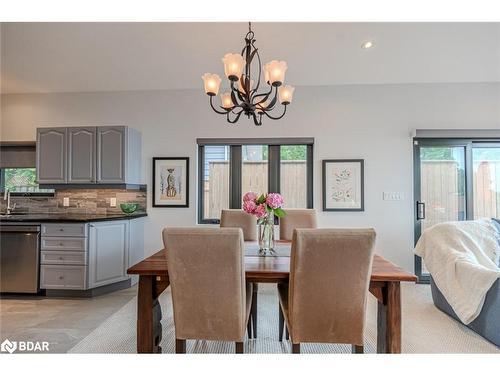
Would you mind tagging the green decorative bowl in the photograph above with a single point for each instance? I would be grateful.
(129, 208)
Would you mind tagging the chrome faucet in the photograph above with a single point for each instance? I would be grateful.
(6, 197)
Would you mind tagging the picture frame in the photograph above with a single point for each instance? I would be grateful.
(343, 185)
(170, 182)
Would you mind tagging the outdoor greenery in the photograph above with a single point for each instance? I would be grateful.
(22, 180)
(446, 153)
(20, 177)
(293, 152)
(289, 152)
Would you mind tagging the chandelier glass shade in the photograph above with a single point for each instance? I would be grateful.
(243, 97)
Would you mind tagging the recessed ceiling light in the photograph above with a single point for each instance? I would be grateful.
(367, 45)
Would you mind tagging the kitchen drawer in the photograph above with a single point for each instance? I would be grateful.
(63, 277)
(64, 243)
(64, 230)
(64, 257)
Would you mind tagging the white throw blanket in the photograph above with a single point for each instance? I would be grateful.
(460, 257)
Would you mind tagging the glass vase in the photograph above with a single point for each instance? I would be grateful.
(266, 235)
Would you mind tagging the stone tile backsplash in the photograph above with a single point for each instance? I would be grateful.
(81, 201)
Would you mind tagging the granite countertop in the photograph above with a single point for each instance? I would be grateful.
(61, 217)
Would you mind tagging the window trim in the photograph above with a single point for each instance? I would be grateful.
(235, 162)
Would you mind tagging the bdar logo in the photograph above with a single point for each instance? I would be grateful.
(8, 346)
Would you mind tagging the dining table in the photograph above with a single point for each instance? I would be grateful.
(385, 281)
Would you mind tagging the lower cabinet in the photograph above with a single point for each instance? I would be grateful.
(63, 277)
(96, 254)
(108, 252)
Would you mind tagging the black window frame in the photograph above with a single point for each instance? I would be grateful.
(468, 144)
(235, 162)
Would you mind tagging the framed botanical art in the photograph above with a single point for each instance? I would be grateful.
(343, 185)
(170, 182)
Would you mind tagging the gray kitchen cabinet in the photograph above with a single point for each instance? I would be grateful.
(118, 155)
(51, 155)
(108, 252)
(63, 277)
(89, 155)
(81, 159)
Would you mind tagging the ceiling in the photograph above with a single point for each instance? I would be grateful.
(75, 57)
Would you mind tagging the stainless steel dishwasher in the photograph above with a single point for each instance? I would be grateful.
(19, 258)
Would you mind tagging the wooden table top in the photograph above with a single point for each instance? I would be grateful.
(271, 267)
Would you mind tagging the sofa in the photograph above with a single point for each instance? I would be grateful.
(487, 324)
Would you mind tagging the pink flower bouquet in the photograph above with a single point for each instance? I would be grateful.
(263, 206)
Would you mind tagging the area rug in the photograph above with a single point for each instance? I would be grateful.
(425, 330)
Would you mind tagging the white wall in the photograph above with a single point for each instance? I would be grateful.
(373, 122)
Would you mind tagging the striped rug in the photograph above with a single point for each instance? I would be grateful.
(425, 330)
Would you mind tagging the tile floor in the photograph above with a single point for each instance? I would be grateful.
(61, 321)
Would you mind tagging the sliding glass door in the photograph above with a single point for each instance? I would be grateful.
(454, 180)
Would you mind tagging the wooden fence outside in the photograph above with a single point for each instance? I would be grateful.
(255, 176)
(443, 192)
(441, 188)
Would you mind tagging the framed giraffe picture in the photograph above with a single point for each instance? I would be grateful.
(170, 182)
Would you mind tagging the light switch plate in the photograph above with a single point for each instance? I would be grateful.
(112, 202)
(66, 201)
(393, 196)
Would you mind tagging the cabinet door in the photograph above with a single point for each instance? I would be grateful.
(108, 250)
(81, 155)
(51, 155)
(111, 151)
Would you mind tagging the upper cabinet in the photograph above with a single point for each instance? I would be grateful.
(111, 150)
(89, 155)
(81, 155)
(51, 155)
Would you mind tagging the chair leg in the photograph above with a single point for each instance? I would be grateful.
(249, 327)
(239, 347)
(180, 346)
(281, 323)
(295, 348)
(358, 349)
(287, 335)
(254, 310)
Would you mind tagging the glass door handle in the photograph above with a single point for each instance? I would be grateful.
(420, 210)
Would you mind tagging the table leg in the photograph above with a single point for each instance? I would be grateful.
(389, 319)
(254, 309)
(148, 316)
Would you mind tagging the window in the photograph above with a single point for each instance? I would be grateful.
(255, 168)
(228, 168)
(215, 180)
(17, 170)
(293, 179)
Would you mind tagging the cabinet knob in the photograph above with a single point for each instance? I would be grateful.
(61, 277)
(61, 258)
(61, 244)
(61, 229)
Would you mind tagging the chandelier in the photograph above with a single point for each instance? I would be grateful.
(244, 97)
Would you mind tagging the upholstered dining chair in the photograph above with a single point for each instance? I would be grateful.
(325, 300)
(235, 218)
(294, 219)
(211, 300)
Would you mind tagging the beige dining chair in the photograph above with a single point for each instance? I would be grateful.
(211, 300)
(295, 219)
(325, 300)
(234, 218)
